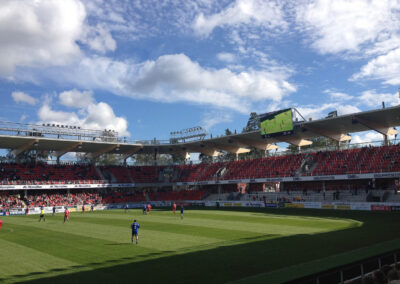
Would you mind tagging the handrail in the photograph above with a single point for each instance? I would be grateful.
(340, 271)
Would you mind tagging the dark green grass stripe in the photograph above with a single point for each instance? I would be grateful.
(273, 219)
(309, 268)
(232, 262)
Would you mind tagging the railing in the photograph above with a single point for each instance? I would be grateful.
(352, 271)
(50, 182)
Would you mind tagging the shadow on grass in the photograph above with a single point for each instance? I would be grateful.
(232, 262)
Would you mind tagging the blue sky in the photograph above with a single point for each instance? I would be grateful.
(146, 68)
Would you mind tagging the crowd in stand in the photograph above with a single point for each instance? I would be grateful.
(63, 199)
(49, 199)
(8, 201)
(350, 161)
(40, 173)
(121, 196)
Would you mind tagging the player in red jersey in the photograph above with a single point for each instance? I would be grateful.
(66, 215)
(174, 208)
(83, 208)
(27, 211)
(148, 208)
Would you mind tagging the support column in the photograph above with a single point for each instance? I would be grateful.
(155, 157)
(386, 139)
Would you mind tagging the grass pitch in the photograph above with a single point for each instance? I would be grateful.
(207, 246)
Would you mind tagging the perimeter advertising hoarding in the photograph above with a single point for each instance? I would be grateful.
(276, 123)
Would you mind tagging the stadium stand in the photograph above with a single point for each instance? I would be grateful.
(338, 162)
(45, 199)
(350, 161)
(12, 173)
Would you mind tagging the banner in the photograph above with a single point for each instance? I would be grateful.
(64, 186)
(327, 206)
(294, 205)
(380, 208)
(395, 208)
(360, 206)
(343, 206)
(295, 179)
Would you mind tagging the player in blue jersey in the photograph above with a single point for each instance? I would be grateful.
(182, 209)
(135, 231)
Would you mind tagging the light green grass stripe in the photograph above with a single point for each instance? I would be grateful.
(248, 217)
(152, 239)
(279, 227)
(18, 260)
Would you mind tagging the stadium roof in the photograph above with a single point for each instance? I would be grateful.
(337, 128)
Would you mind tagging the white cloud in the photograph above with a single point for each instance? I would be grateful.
(373, 99)
(384, 67)
(176, 78)
(347, 109)
(267, 14)
(21, 97)
(368, 137)
(341, 25)
(92, 115)
(47, 32)
(226, 57)
(23, 117)
(358, 28)
(99, 38)
(321, 111)
(215, 117)
(36, 33)
(75, 98)
(102, 116)
(338, 96)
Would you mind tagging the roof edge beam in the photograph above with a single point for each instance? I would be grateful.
(131, 152)
(257, 144)
(297, 141)
(385, 130)
(61, 153)
(339, 137)
(102, 151)
(208, 151)
(24, 147)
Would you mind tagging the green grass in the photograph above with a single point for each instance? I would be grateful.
(208, 246)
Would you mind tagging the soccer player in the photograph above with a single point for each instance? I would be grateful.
(54, 210)
(174, 208)
(182, 209)
(83, 209)
(92, 208)
(144, 209)
(126, 207)
(27, 211)
(66, 214)
(148, 208)
(135, 231)
(42, 214)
